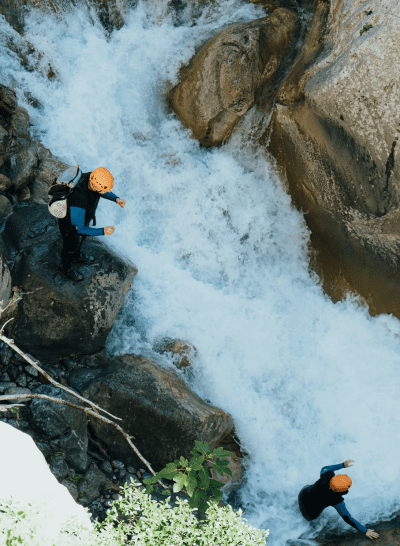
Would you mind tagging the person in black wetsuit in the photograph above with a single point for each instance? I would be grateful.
(328, 491)
(81, 209)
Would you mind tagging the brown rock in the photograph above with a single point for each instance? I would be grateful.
(5, 183)
(19, 136)
(8, 97)
(230, 482)
(24, 195)
(182, 351)
(339, 150)
(162, 414)
(222, 80)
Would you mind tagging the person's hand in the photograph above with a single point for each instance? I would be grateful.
(371, 534)
(348, 463)
(109, 230)
(121, 203)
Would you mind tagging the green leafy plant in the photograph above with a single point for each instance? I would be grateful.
(365, 28)
(15, 410)
(193, 477)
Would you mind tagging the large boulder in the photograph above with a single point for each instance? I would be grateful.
(336, 139)
(228, 73)
(57, 317)
(156, 407)
(19, 136)
(20, 167)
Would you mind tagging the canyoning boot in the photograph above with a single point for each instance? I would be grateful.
(74, 275)
(84, 259)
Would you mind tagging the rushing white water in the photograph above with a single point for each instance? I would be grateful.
(222, 260)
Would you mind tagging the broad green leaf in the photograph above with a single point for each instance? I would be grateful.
(196, 462)
(218, 495)
(166, 492)
(192, 483)
(204, 448)
(215, 484)
(194, 499)
(184, 462)
(221, 470)
(203, 506)
(171, 466)
(221, 452)
(149, 489)
(204, 478)
(180, 481)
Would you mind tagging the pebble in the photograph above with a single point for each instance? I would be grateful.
(21, 380)
(131, 470)
(6, 385)
(5, 377)
(31, 370)
(122, 473)
(118, 465)
(106, 467)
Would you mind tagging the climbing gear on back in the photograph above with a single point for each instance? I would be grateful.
(340, 483)
(101, 179)
(59, 191)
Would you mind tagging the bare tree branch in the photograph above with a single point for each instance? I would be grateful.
(10, 343)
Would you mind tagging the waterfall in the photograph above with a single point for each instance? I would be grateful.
(223, 261)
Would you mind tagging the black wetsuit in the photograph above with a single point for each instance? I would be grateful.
(74, 228)
(313, 499)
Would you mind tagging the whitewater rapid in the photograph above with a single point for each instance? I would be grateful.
(223, 263)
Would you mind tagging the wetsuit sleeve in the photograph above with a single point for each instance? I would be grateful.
(78, 220)
(332, 467)
(109, 195)
(342, 511)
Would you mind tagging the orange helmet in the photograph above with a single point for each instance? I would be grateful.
(340, 483)
(101, 179)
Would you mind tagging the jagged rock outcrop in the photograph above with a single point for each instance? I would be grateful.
(57, 317)
(157, 408)
(226, 75)
(182, 352)
(335, 137)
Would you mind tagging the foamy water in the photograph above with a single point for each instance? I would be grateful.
(222, 260)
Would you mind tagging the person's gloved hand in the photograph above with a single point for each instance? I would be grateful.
(109, 230)
(121, 202)
(347, 463)
(371, 534)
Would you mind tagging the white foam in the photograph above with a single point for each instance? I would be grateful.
(222, 260)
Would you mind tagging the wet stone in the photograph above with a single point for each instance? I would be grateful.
(21, 380)
(31, 370)
(59, 468)
(118, 464)
(4, 385)
(106, 467)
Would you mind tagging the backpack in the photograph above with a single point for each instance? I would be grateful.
(61, 189)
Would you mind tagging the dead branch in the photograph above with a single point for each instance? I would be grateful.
(10, 343)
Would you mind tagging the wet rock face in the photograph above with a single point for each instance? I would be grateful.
(60, 318)
(222, 80)
(157, 408)
(336, 138)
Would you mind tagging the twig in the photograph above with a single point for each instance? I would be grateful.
(10, 343)
(128, 438)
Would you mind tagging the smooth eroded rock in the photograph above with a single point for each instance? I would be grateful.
(20, 167)
(224, 77)
(157, 408)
